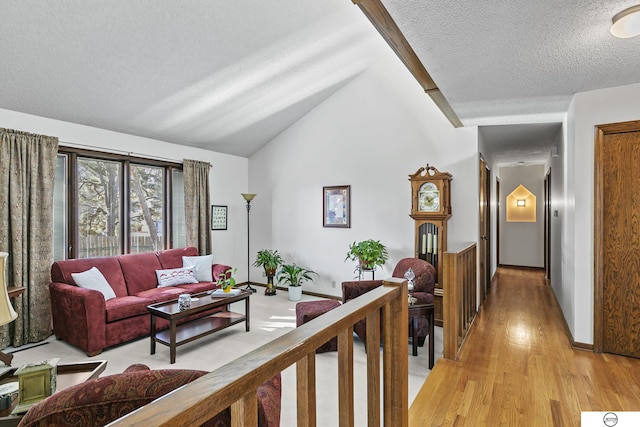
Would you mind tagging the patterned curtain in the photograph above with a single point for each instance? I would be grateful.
(196, 205)
(27, 176)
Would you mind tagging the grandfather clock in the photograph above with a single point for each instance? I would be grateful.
(431, 209)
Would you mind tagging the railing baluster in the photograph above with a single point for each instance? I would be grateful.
(373, 368)
(244, 412)
(395, 360)
(306, 390)
(459, 302)
(345, 378)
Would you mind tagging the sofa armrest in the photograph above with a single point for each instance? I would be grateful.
(79, 316)
(218, 269)
(423, 297)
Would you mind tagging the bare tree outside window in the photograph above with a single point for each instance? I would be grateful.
(98, 207)
(147, 216)
(146, 208)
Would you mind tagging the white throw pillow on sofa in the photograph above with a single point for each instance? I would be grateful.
(201, 266)
(176, 276)
(93, 279)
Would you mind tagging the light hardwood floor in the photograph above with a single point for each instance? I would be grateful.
(518, 368)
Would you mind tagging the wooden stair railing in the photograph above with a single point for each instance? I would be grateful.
(235, 384)
(459, 306)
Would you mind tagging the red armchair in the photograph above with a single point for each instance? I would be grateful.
(424, 284)
(102, 400)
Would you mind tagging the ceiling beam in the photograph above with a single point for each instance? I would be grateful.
(375, 11)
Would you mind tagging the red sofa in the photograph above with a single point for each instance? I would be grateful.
(84, 319)
(103, 400)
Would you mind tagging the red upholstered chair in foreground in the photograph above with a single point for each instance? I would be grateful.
(102, 400)
(424, 284)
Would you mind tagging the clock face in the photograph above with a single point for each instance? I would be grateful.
(429, 198)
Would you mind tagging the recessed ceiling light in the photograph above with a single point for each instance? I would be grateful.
(626, 24)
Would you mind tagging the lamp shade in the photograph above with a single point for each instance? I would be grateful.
(626, 24)
(248, 196)
(7, 313)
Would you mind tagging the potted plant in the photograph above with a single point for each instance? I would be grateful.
(368, 253)
(270, 260)
(293, 276)
(226, 280)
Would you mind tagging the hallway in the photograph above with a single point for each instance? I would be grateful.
(518, 368)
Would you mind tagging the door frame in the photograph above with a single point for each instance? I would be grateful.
(498, 221)
(598, 234)
(484, 218)
(547, 226)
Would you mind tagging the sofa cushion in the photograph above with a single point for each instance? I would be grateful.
(172, 258)
(139, 271)
(161, 294)
(93, 279)
(198, 287)
(175, 276)
(202, 266)
(109, 267)
(124, 307)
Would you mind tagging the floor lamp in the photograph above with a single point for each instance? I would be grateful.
(248, 197)
(7, 313)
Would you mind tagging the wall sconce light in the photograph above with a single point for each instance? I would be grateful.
(521, 203)
(626, 23)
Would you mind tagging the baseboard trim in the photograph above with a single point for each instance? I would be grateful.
(522, 267)
(284, 289)
(581, 346)
(574, 344)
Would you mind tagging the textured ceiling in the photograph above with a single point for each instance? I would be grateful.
(222, 75)
(517, 61)
(228, 76)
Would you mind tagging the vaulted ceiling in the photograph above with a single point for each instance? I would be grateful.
(228, 76)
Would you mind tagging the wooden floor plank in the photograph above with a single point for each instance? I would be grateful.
(518, 368)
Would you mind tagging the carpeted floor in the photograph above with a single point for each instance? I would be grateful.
(270, 317)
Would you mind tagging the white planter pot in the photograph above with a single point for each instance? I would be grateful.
(295, 293)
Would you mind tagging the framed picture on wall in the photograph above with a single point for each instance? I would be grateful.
(336, 206)
(218, 217)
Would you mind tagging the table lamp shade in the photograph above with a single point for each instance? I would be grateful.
(7, 313)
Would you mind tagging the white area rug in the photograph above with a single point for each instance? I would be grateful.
(271, 317)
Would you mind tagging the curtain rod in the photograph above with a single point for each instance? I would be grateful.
(115, 151)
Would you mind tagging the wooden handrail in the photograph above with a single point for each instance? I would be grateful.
(235, 383)
(459, 305)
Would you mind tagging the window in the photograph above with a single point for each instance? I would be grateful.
(107, 204)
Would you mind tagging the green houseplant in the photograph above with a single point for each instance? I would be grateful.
(368, 253)
(270, 260)
(293, 276)
(226, 280)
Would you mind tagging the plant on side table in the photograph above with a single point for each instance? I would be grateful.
(293, 276)
(226, 280)
(270, 260)
(369, 253)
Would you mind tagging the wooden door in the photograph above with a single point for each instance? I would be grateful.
(547, 226)
(617, 239)
(485, 226)
(498, 198)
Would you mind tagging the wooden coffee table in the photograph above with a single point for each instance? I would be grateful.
(191, 330)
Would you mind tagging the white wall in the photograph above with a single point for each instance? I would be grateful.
(558, 168)
(587, 110)
(228, 176)
(370, 135)
(522, 243)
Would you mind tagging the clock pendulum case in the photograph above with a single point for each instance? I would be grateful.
(431, 209)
